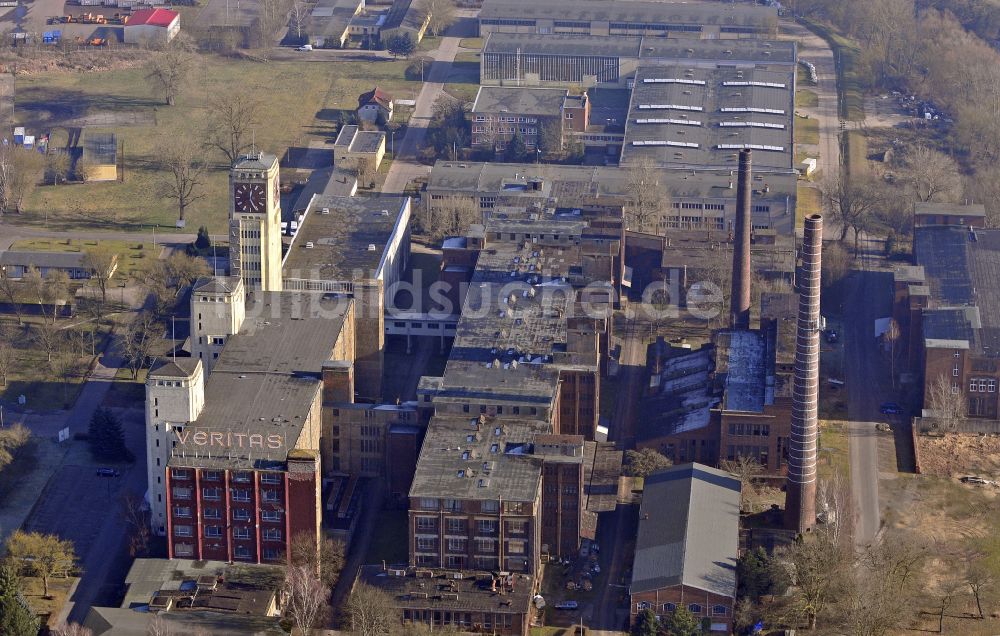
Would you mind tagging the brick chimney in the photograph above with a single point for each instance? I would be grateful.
(740, 301)
(800, 497)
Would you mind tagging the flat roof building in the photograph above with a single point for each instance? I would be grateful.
(616, 18)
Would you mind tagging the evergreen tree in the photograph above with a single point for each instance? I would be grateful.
(401, 45)
(681, 622)
(106, 438)
(16, 616)
(753, 572)
(646, 624)
(516, 149)
(204, 241)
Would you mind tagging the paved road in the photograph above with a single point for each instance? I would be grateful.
(10, 232)
(404, 166)
(868, 385)
(615, 531)
(813, 48)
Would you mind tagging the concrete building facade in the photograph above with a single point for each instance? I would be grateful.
(255, 222)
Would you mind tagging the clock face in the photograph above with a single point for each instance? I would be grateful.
(249, 197)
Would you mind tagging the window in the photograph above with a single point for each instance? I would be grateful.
(271, 515)
(242, 476)
(719, 610)
(642, 605)
(182, 511)
(457, 545)
(669, 607)
(694, 608)
(182, 531)
(515, 547)
(241, 514)
(517, 526)
(425, 523)
(271, 496)
(181, 493)
(452, 504)
(213, 513)
(180, 473)
(486, 527)
(241, 532)
(425, 544)
(211, 494)
(428, 504)
(270, 478)
(490, 506)
(991, 386)
(213, 532)
(271, 554)
(211, 475)
(272, 534)
(241, 552)
(183, 550)
(486, 546)
(456, 526)
(241, 494)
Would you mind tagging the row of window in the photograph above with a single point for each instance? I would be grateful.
(183, 550)
(983, 385)
(239, 514)
(655, 26)
(461, 545)
(683, 205)
(212, 493)
(217, 475)
(483, 526)
(695, 608)
(742, 428)
(239, 532)
(507, 119)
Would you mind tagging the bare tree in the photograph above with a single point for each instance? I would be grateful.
(184, 162)
(370, 611)
(748, 470)
(931, 175)
(980, 579)
(884, 585)
(12, 290)
(102, 262)
(48, 290)
(645, 461)
(233, 115)
(833, 501)
(327, 558)
(158, 627)
(306, 597)
(138, 525)
(137, 342)
(836, 264)
(20, 171)
(57, 166)
(47, 337)
(442, 14)
(8, 358)
(366, 171)
(946, 402)
(852, 203)
(72, 629)
(170, 70)
(817, 568)
(449, 217)
(300, 16)
(647, 197)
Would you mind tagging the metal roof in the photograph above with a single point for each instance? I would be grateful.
(545, 102)
(705, 13)
(688, 531)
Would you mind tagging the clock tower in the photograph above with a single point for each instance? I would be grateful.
(255, 222)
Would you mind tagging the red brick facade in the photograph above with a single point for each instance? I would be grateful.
(240, 515)
(717, 608)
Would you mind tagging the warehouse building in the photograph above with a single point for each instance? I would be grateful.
(604, 18)
(152, 26)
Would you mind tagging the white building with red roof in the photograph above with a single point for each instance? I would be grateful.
(152, 25)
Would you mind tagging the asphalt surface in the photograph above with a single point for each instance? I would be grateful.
(868, 385)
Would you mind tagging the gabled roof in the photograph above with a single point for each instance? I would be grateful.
(688, 531)
(153, 17)
(216, 285)
(176, 368)
(376, 95)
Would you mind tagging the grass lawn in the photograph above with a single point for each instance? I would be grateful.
(466, 58)
(126, 392)
(133, 256)
(849, 79)
(300, 102)
(806, 131)
(47, 608)
(834, 456)
(462, 92)
(806, 99)
(385, 545)
(12, 476)
(808, 202)
(471, 43)
(857, 152)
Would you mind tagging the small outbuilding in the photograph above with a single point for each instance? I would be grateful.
(147, 26)
(100, 155)
(375, 106)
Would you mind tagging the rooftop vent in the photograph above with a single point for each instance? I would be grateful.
(371, 247)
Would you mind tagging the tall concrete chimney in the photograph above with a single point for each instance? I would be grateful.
(800, 496)
(740, 301)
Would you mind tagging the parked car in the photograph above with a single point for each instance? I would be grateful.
(305, 47)
(890, 408)
(107, 472)
(567, 605)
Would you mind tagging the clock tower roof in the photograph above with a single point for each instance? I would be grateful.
(255, 161)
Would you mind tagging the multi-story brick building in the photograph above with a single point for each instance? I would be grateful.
(235, 471)
(500, 113)
(688, 544)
